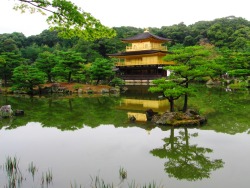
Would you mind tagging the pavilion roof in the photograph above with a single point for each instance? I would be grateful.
(144, 36)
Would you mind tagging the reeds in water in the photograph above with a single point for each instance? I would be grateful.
(122, 173)
(149, 185)
(74, 185)
(15, 176)
(32, 169)
(11, 164)
(99, 183)
(47, 178)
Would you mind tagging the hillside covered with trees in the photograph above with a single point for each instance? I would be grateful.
(26, 62)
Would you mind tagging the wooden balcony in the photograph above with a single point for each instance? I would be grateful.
(140, 77)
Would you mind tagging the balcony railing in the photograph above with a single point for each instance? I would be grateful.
(131, 48)
(143, 63)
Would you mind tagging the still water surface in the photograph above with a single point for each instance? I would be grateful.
(80, 138)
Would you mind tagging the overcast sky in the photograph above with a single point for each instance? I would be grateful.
(136, 13)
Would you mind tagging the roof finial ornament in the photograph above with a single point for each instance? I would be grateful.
(146, 30)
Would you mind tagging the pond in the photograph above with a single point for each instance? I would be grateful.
(88, 141)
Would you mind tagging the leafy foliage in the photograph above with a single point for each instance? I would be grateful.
(67, 19)
(8, 61)
(89, 50)
(101, 69)
(169, 89)
(117, 82)
(11, 42)
(237, 63)
(191, 63)
(68, 65)
(27, 77)
(45, 62)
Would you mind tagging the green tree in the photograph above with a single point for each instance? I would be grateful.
(88, 49)
(45, 62)
(8, 45)
(230, 32)
(241, 38)
(68, 64)
(177, 33)
(48, 38)
(117, 82)
(101, 69)
(67, 18)
(189, 41)
(12, 42)
(236, 63)
(240, 64)
(27, 77)
(199, 30)
(169, 89)
(191, 63)
(9, 61)
(109, 46)
(31, 52)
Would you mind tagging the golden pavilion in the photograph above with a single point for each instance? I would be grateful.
(142, 61)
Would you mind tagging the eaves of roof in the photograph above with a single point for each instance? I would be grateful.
(143, 52)
(144, 36)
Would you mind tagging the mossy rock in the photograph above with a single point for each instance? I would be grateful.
(186, 122)
(179, 118)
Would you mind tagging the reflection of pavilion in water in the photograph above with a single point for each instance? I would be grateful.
(137, 100)
(144, 104)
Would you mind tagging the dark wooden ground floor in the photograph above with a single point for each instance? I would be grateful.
(141, 72)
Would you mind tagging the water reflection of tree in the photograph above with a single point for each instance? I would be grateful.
(186, 161)
(64, 113)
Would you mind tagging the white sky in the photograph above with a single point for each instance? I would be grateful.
(136, 13)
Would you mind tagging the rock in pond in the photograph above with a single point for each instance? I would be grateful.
(188, 118)
(6, 111)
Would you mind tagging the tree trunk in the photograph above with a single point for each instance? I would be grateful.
(185, 105)
(97, 81)
(5, 80)
(49, 78)
(171, 102)
(69, 77)
(31, 90)
(40, 90)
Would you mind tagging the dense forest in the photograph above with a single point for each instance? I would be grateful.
(28, 61)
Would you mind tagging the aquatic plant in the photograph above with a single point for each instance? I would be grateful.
(11, 164)
(74, 186)
(149, 185)
(47, 178)
(122, 173)
(15, 177)
(32, 169)
(99, 183)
